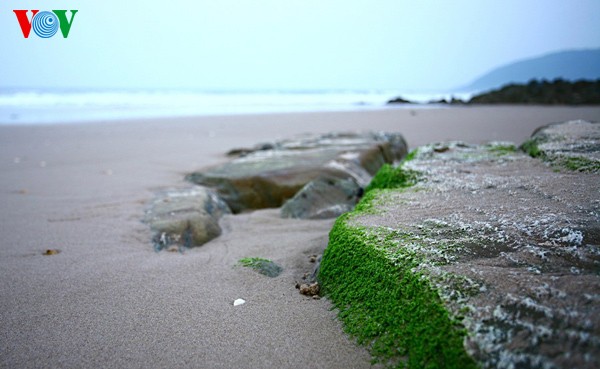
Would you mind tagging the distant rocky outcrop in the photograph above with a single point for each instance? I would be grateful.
(185, 218)
(269, 174)
(535, 92)
(557, 92)
(399, 100)
(473, 256)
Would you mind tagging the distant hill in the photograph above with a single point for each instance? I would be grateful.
(557, 92)
(569, 65)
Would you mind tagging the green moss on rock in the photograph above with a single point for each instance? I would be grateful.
(370, 278)
(392, 177)
(572, 145)
(502, 149)
(574, 162)
(531, 147)
(580, 164)
(263, 266)
(411, 155)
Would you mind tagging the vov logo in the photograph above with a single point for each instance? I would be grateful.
(45, 24)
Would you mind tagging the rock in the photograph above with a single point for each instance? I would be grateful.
(267, 176)
(262, 266)
(325, 197)
(490, 259)
(239, 302)
(310, 289)
(188, 217)
(399, 100)
(51, 252)
(574, 145)
(174, 248)
(312, 277)
(245, 151)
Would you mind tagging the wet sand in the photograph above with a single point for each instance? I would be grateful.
(107, 300)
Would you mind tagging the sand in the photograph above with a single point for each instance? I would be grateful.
(107, 300)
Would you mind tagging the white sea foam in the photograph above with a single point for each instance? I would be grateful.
(51, 106)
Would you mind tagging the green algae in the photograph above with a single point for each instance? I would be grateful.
(411, 155)
(502, 149)
(368, 204)
(531, 148)
(579, 164)
(385, 303)
(573, 163)
(373, 277)
(262, 266)
(389, 177)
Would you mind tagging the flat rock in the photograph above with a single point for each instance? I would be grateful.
(187, 217)
(507, 245)
(574, 145)
(269, 174)
(324, 197)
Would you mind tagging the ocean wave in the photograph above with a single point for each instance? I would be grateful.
(40, 106)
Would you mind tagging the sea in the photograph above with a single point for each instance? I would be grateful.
(52, 106)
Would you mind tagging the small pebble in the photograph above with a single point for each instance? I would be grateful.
(239, 302)
(309, 289)
(51, 252)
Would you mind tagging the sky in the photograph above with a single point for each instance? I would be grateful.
(420, 45)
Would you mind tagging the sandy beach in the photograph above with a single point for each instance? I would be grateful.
(107, 300)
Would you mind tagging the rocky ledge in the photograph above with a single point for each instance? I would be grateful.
(269, 174)
(316, 176)
(468, 256)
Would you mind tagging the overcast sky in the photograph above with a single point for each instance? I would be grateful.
(291, 44)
